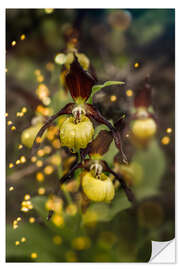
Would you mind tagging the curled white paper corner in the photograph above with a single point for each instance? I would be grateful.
(163, 252)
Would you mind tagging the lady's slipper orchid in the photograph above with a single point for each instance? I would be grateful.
(98, 189)
(80, 83)
(144, 129)
(95, 184)
(144, 124)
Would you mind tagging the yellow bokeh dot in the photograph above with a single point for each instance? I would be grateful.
(42, 91)
(23, 239)
(37, 72)
(60, 59)
(6, 114)
(38, 140)
(11, 188)
(47, 149)
(33, 159)
(27, 197)
(58, 220)
(18, 162)
(13, 43)
(40, 78)
(34, 255)
(40, 177)
(18, 114)
(19, 219)
(55, 159)
(41, 191)
(40, 153)
(136, 65)
(57, 240)
(11, 165)
(15, 226)
(48, 170)
(24, 110)
(129, 93)
(23, 159)
(22, 37)
(46, 101)
(80, 243)
(26, 206)
(50, 66)
(47, 112)
(113, 98)
(165, 140)
(55, 204)
(169, 130)
(32, 220)
(9, 123)
(49, 10)
(20, 146)
(56, 144)
(13, 128)
(17, 243)
(52, 131)
(39, 163)
(15, 222)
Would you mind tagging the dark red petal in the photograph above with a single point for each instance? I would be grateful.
(92, 112)
(143, 97)
(127, 190)
(79, 81)
(118, 143)
(101, 143)
(121, 123)
(66, 110)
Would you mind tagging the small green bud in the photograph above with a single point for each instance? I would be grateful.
(28, 135)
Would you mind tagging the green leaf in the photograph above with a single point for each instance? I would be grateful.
(71, 223)
(108, 83)
(38, 239)
(152, 160)
(103, 212)
(96, 88)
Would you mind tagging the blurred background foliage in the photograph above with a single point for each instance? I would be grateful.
(113, 41)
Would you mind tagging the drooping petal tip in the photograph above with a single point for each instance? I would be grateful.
(143, 96)
(101, 144)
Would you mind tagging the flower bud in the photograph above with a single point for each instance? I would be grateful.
(82, 58)
(97, 189)
(76, 135)
(28, 135)
(144, 129)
